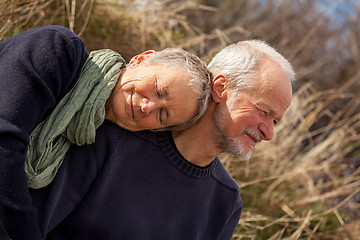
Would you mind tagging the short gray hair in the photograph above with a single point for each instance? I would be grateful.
(200, 78)
(240, 62)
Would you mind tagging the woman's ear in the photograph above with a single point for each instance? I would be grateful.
(218, 87)
(138, 59)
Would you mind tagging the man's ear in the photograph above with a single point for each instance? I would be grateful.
(138, 59)
(218, 87)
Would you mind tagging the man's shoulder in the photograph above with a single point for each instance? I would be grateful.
(223, 177)
(226, 180)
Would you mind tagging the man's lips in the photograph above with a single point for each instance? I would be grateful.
(253, 139)
(253, 136)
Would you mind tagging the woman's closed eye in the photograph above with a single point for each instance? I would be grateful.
(163, 116)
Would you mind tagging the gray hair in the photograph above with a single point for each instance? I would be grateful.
(200, 78)
(240, 62)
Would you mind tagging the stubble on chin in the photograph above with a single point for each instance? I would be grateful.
(234, 147)
(229, 145)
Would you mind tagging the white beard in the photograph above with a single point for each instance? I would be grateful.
(229, 145)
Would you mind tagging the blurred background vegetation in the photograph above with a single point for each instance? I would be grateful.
(305, 184)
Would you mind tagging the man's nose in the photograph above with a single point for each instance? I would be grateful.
(148, 106)
(266, 131)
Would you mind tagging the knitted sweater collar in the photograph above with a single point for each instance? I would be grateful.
(179, 162)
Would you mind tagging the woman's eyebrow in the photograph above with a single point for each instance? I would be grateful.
(162, 87)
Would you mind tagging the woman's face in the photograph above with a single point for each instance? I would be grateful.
(151, 97)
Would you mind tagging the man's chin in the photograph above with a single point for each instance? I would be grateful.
(238, 150)
(244, 156)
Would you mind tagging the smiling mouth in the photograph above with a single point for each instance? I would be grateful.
(254, 141)
(253, 137)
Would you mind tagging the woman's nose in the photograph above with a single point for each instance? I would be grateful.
(148, 106)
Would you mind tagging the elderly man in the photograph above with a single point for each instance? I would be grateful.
(251, 92)
(141, 185)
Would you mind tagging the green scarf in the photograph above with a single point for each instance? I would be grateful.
(74, 120)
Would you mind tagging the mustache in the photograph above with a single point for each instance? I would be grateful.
(253, 133)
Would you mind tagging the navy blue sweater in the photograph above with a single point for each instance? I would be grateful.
(136, 186)
(37, 68)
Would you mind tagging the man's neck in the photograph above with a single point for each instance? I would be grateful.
(198, 143)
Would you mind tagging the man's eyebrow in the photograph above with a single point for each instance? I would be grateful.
(269, 109)
(264, 106)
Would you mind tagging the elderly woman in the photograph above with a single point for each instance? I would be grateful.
(53, 93)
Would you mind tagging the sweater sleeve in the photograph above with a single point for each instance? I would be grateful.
(234, 218)
(37, 68)
(231, 225)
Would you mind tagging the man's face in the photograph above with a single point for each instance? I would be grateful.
(250, 117)
(152, 97)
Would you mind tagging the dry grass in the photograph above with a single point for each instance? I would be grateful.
(305, 184)
(19, 15)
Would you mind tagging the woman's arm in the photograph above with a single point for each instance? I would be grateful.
(37, 68)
